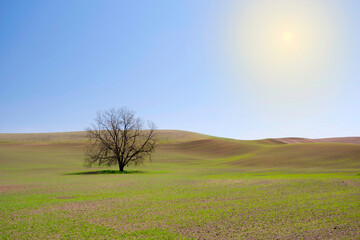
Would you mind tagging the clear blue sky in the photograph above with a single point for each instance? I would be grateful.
(173, 63)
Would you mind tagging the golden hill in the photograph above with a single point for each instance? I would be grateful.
(190, 147)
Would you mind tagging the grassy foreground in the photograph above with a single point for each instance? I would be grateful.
(202, 189)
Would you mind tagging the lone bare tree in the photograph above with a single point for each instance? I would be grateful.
(118, 138)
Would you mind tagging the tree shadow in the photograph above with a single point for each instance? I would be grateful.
(105, 172)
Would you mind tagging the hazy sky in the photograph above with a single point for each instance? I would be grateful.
(240, 69)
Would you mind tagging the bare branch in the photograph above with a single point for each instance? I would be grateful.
(118, 138)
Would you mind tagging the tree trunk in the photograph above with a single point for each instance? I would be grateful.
(121, 167)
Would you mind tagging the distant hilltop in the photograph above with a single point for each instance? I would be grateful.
(165, 136)
(291, 140)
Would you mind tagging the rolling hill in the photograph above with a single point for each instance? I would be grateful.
(195, 187)
(182, 146)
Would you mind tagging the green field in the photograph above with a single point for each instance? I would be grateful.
(195, 187)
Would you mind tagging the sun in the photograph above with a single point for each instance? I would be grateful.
(287, 36)
(287, 42)
(281, 48)
(283, 42)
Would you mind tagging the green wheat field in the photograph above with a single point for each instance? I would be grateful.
(195, 187)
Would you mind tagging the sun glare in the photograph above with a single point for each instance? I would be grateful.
(281, 46)
(287, 36)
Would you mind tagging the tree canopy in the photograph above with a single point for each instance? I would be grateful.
(118, 137)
